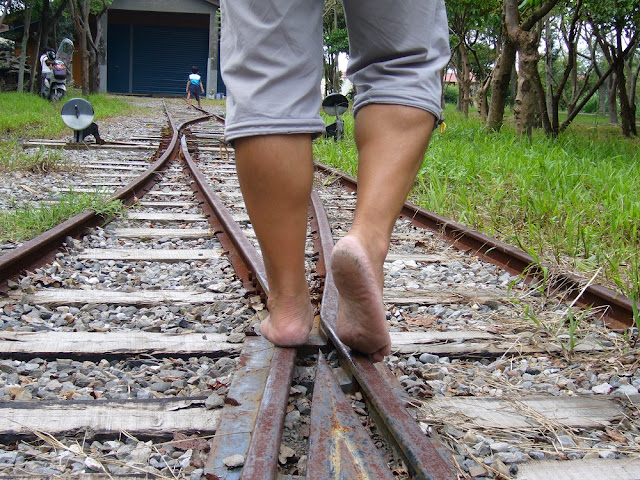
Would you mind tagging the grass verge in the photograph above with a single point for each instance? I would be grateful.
(27, 222)
(30, 116)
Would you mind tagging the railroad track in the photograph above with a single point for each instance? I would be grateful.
(132, 350)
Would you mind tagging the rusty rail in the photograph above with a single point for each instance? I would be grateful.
(41, 249)
(425, 458)
(618, 309)
(263, 449)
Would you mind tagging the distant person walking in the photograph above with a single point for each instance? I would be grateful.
(194, 87)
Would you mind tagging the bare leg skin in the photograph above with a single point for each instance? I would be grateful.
(276, 176)
(391, 141)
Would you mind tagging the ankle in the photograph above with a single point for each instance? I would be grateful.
(375, 246)
(289, 302)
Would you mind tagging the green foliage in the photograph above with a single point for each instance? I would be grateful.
(593, 105)
(337, 41)
(451, 93)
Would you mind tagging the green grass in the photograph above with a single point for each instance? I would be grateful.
(29, 221)
(28, 116)
(573, 201)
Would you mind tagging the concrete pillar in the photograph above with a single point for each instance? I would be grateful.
(212, 68)
(102, 49)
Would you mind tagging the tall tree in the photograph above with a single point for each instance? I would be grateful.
(500, 79)
(336, 41)
(526, 38)
(85, 13)
(570, 29)
(615, 27)
(25, 42)
(466, 18)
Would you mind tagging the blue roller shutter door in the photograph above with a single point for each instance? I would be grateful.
(163, 57)
(119, 58)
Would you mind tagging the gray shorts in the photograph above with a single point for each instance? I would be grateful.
(271, 60)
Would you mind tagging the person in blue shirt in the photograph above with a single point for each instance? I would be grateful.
(194, 87)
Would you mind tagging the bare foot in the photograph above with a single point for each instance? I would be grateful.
(361, 322)
(289, 322)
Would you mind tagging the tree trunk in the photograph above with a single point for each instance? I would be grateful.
(35, 66)
(613, 100)
(633, 81)
(465, 81)
(527, 96)
(80, 15)
(548, 39)
(524, 35)
(25, 43)
(602, 100)
(627, 111)
(500, 85)
(513, 83)
(481, 96)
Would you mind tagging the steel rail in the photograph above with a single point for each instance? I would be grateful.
(618, 309)
(427, 460)
(261, 456)
(42, 249)
(264, 447)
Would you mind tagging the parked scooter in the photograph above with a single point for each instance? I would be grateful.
(54, 85)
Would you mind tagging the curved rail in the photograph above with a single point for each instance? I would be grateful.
(264, 447)
(618, 309)
(40, 250)
(422, 456)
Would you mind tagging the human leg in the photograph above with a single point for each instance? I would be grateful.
(396, 106)
(391, 141)
(271, 58)
(276, 175)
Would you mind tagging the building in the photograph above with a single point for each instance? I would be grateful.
(151, 46)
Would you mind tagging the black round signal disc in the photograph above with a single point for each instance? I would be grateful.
(335, 104)
(77, 114)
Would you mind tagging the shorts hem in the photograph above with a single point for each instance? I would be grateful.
(250, 129)
(398, 98)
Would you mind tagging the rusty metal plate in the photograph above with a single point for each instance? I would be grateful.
(339, 446)
(241, 411)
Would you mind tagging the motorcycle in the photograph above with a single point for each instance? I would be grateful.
(54, 87)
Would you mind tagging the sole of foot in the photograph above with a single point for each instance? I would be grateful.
(361, 321)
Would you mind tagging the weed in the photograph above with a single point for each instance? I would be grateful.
(573, 323)
(41, 160)
(28, 221)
